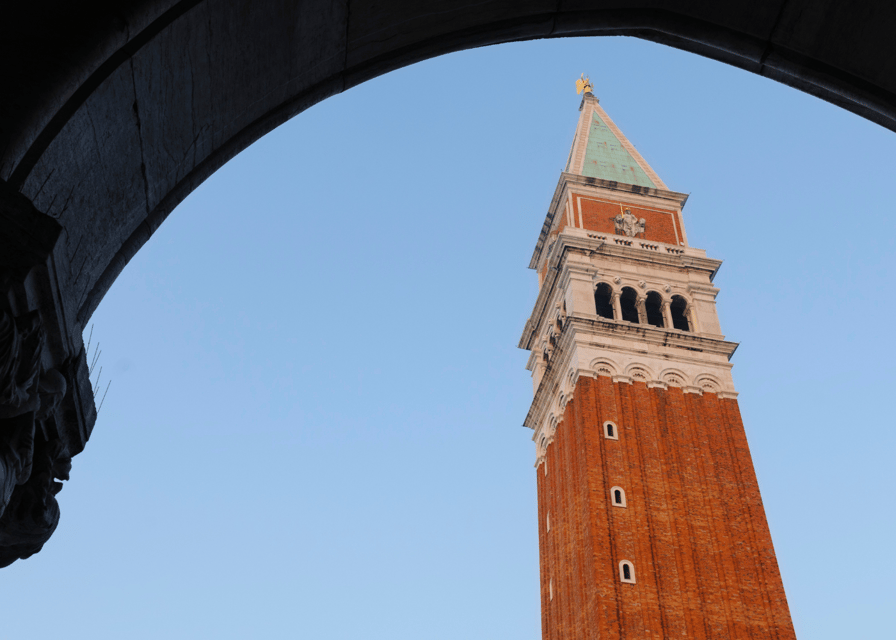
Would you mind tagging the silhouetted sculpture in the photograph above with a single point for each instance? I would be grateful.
(30, 458)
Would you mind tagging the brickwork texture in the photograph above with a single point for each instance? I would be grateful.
(598, 216)
(694, 526)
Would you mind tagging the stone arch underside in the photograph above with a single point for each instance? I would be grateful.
(112, 113)
(152, 100)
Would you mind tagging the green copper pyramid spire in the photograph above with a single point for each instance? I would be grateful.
(606, 158)
(600, 150)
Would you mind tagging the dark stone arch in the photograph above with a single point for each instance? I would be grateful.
(179, 88)
(114, 112)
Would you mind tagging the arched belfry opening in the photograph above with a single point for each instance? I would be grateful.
(603, 300)
(629, 303)
(679, 309)
(654, 307)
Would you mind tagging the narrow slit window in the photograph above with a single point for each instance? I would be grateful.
(611, 431)
(627, 572)
(617, 495)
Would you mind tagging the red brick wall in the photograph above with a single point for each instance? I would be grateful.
(598, 215)
(694, 527)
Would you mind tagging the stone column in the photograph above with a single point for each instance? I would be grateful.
(667, 314)
(690, 313)
(640, 305)
(617, 306)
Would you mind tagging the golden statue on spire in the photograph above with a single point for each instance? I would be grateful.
(584, 84)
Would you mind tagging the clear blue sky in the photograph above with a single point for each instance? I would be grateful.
(314, 424)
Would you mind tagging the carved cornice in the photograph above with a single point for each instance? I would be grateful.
(645, 334)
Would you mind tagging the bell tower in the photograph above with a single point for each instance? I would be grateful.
(650, 520)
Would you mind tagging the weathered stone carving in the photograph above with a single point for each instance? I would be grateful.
(31, 454)
(628, 225)
(16, 455)
(21, 343)
(32, 514)
(46, 399)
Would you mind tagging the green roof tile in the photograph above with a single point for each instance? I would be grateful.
(606, 158)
